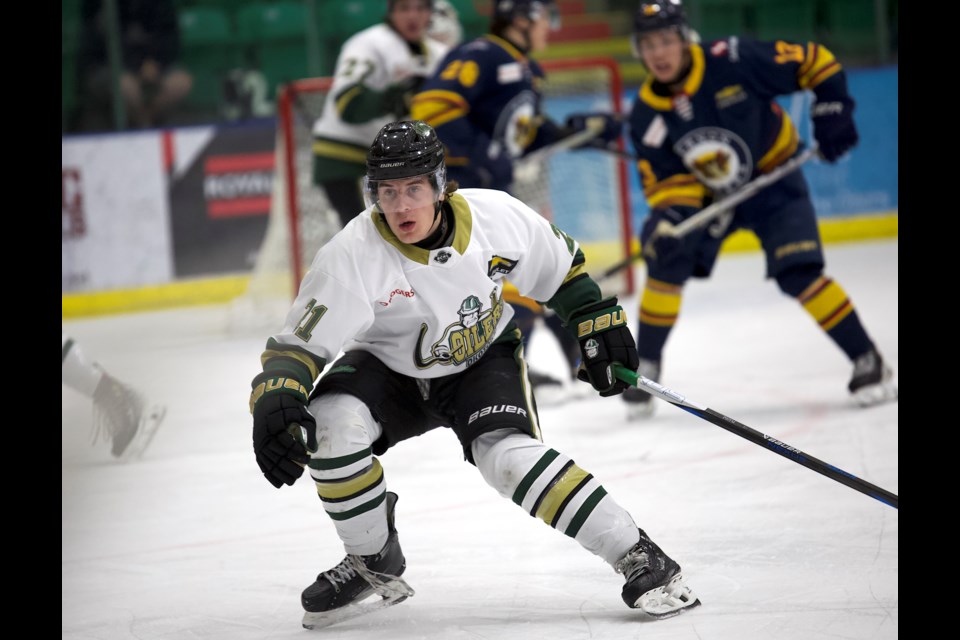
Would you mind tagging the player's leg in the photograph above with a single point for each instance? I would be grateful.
(350, 405)
(788, 231)
(497, 424)
(120, 412)
(660, 302)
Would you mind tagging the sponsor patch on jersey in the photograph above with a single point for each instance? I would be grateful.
(499, 264)
(442, 256)
(656, 133)
(718, 157)
(509, 73)
(734, 53)
(403, 293)
(729, 96)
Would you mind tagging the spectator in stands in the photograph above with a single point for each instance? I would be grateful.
(150, 81)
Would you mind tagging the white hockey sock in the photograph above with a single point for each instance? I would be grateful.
(349, 479)
(78, 373)
(548, 485)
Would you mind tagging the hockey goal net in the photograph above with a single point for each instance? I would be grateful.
(584, 192)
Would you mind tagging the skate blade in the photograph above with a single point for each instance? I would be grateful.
(147, 428)
(667, 601)
(391, 593)
(875, 394)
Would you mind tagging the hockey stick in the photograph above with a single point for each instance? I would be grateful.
(718, 208)
(754, 436)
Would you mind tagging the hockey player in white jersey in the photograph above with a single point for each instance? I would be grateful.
(120, 412)
(377, 72)
(412, 291)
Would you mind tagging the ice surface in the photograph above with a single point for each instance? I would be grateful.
(192, 542)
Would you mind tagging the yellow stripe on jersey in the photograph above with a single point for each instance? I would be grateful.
(438, 106)
(559, 492)
(352, 487)
(506, 46)
(819, 65)
(339, 151)
(344, 100)
(575, 271)
(783, 147)
(682, 189)
(660, 304)
(827, 302)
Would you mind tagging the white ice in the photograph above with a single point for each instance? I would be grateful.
(192, 542)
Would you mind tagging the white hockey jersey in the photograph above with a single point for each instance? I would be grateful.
(424, 313)
(377, 57)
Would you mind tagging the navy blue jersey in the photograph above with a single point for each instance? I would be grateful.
(724, 127)
(484, 103)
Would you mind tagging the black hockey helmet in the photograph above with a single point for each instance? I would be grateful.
(654, 15)
(405, 149)
(505, 11)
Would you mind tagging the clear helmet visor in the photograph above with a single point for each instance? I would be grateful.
(402, 194)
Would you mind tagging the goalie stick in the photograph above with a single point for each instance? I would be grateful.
(754, 436)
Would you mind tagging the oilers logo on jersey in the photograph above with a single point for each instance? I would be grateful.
(718, 157)
(466, 340)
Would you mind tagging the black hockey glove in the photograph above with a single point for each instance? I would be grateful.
(283, 429)
(834, 128)
(604, 339)
(610, 126)
(397, 97)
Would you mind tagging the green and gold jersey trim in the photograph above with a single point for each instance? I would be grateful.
(463, 228)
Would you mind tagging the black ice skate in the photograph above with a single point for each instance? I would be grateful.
(639, 402)
(654, 583)
(338, 594)
(123, 414)
(872, 381)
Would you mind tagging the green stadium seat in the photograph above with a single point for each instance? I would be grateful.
(851, 26)
(714, 19)
(277, 36)
(474, 22)
(208, 53)
(792, 20)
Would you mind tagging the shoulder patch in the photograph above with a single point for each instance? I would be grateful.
(656, 133)
(509, 72)
(719, 48)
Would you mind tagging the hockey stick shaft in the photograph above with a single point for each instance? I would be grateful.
(707, 214)
(754, 436)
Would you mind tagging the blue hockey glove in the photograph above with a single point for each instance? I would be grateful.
(834, 128)
(283, 429)
(610, 126)
(604, 338)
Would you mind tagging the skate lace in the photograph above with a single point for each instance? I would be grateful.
(116, 409)
(633, 563)
(865, 364)
(341, 573)
(383, 583)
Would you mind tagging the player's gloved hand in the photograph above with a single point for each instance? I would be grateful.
(663, 243)
(610, 126)
(397, 97)
(833, 127)
(495, 172)
(284, 432)
(604, 338)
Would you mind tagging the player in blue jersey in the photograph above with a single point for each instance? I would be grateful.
(484, 103)
(705, 122)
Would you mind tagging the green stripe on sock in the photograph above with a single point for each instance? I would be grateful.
(367, 506)
(585, 510)
(533, 474)
(326, 464)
